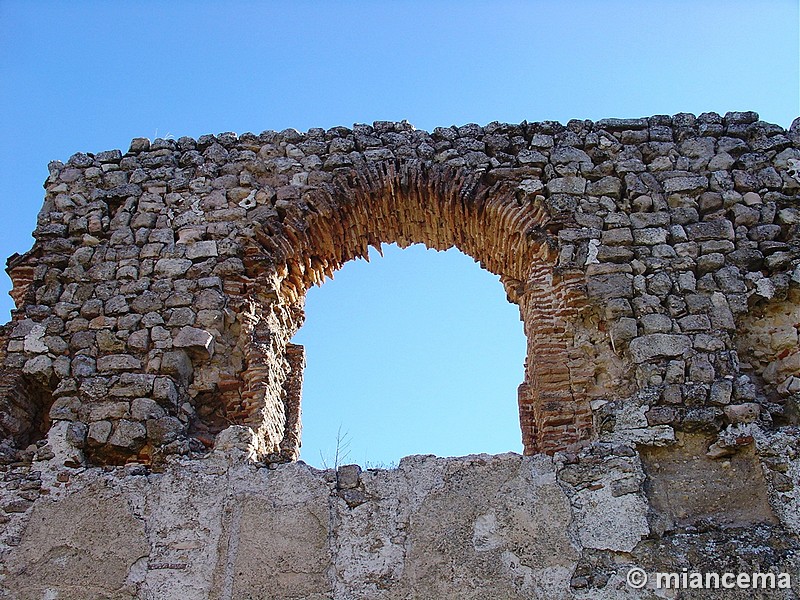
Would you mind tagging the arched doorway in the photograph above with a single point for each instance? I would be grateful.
(405, 203)
(415, 352)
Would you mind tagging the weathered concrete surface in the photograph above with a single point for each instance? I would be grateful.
(687, 483)
(476, 527)
(460, 528)
(276, 542)
(481, 526)
(85, 545)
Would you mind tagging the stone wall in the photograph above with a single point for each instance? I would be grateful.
(150, 392)
(475, 527)
(157, 304)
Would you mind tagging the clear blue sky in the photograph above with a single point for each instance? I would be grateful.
(89, 76)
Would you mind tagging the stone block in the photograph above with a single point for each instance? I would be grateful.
(721, 391)
(606, 186)
(39, 367)
(612, 285)
(747, 412)
(347, 476)
(659, 345)
(129, 435)
(685, 184)
(118, 362)
(177, 363)
(195, 340)
(694, 323)
(650, 236)
(172, 267)
(720, 229)
(164, 430)
(567, 185)
(202, 249)
(65, 408)
(143, 409)
(621, 236)
(99, 431)
(687, 487)
(642, 220)
(656, 323)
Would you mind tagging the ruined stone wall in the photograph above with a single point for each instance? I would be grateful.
(656, 266)
(476, 527)
(157, 304)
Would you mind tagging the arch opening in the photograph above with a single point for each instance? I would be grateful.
(311, 236)
(418, 352)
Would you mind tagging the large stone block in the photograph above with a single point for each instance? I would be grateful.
(659, 345)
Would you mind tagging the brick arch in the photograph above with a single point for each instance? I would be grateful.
(506, 231)
(406, 203)
(170, 278)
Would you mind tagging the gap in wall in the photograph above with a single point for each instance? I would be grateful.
(415, 352)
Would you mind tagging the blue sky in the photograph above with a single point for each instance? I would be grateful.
(89, 76)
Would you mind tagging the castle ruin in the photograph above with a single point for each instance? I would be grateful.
(150, 395)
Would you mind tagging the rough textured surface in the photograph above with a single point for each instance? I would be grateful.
(149, 391)
(481, 526)
(635, 248)
(688, 486)
(87, 545)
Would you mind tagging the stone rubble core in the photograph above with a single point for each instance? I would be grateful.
(655, 263)
(149, 390)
